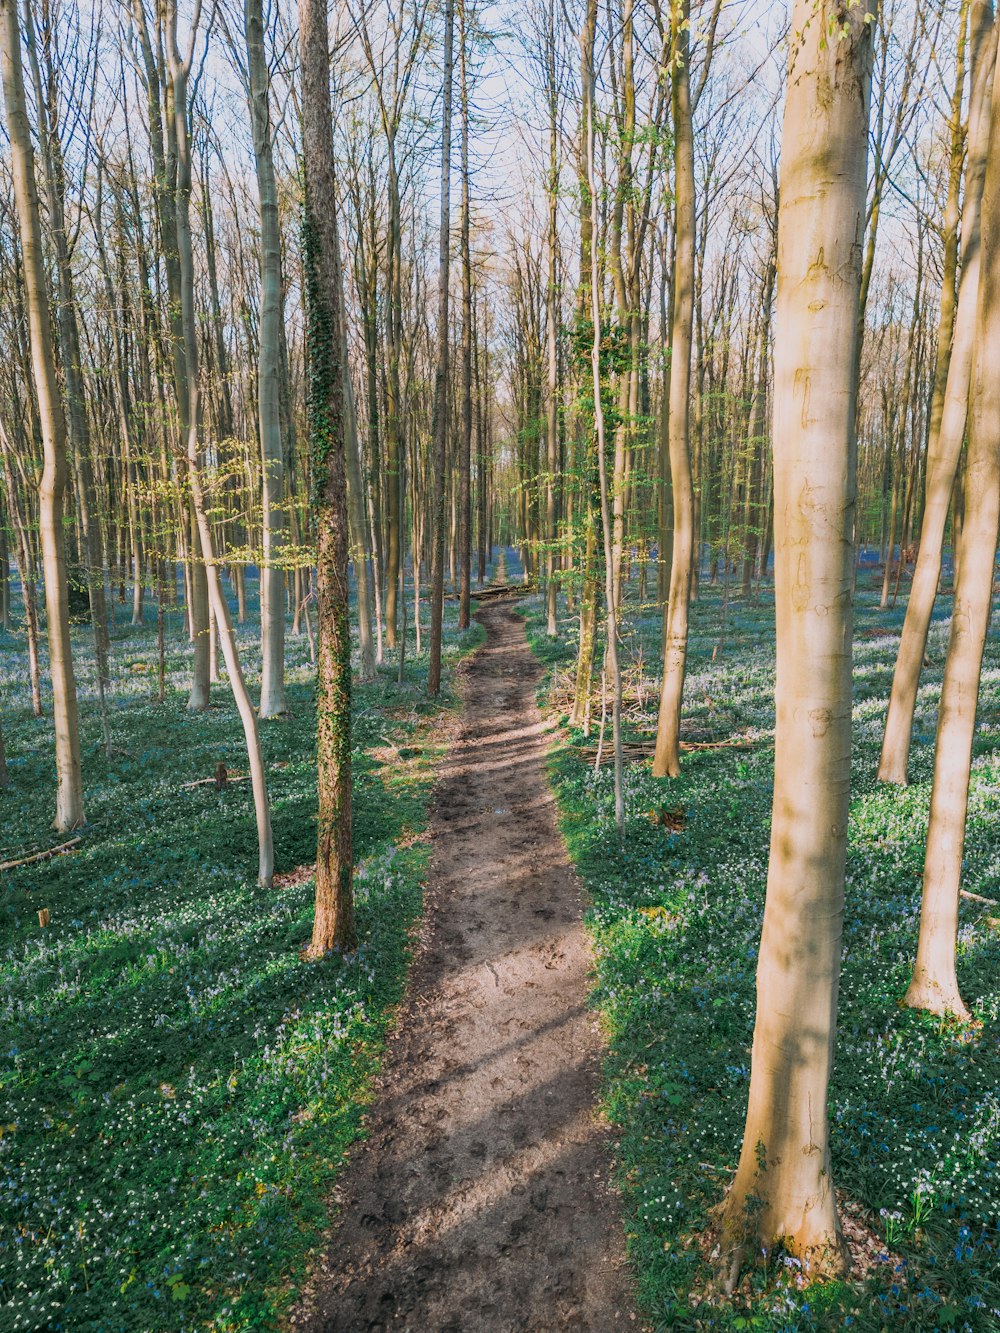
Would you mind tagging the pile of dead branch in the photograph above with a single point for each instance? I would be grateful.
(497, 592)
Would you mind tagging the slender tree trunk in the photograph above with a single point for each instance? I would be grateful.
(26, 568)
(945, 445)
(71, 359)
(69, 790)
(359, 550)
(752, 516)
(440, 425)
(179, 68)
(552, 326)
(934, 985)
(666, 759)
(395, 462)
(272, 575)
(783, 1191)
(465, 446)
(588, 591)
(607, 522)
(588, 622)
(664, 497)
(334, 926)
(5, 576)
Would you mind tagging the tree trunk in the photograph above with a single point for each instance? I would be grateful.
(783, 1191)
(468, 332)
(552, 325)
(440, 425)
(395, 462)
(272, 577)
(945, 446)
(71, 359)
(607, 521)
(333, 927)
(934, 985)
(666, 759)
(179, 69)
(17, 505)
(358, 548)
(69, 790)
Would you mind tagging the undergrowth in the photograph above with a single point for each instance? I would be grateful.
(675, 922)
(177, 1086)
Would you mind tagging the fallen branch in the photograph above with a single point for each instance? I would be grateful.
(41, 856)
(496, 591)
(978, 898)
(203, 782)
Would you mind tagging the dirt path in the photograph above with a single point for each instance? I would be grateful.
(480, 1199)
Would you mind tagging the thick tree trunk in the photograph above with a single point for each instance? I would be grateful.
(333, 927)
(934, 985)
(783, 1191)
(945, 445)
(69, 790)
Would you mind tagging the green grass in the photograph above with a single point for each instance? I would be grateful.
(675, 922)
(177, 1086)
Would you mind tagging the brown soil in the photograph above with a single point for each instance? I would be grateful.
(480, 1199)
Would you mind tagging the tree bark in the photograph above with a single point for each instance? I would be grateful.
(783, 1190)
(666, 759)
(607, 519)
(440, 423)
(552, 326)
(69, 788)
(272, 576)
(179, 70)
(333, 927)
(945, 445)
(934, 985)
(468, 334)
(70, 354)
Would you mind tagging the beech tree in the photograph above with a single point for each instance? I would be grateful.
(441, 374)
(179, 70)
(272, 591)
(948, 432)
(52, 422)
(785, 1161)
(666, 761)
(934, 985)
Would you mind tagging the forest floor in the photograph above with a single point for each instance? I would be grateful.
(480, 1198)
(178, 1087)
(675, 919)
(181, 1091)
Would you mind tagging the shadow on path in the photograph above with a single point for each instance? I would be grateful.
(480, 1200)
